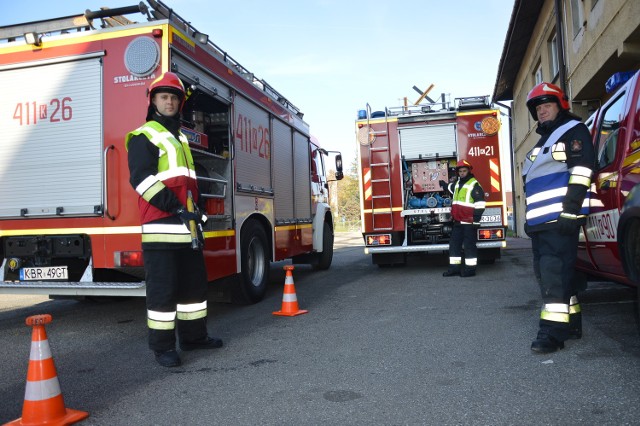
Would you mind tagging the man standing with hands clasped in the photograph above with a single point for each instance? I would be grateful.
(163, 174)
(466, 208)
(557, 176)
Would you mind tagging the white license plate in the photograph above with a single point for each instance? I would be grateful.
(490, 219)
(44, 273)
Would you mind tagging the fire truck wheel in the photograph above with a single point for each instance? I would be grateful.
(631, 258)
(254, 258)
(326, 256)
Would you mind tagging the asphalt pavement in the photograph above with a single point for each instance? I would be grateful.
(379, 346)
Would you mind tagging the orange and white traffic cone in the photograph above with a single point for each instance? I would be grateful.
(43, 402)
(289, 299)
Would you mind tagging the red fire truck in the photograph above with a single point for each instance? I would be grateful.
(72, 88)
(403, 154)
(610, 244)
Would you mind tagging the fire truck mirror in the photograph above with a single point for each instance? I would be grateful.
(339, 174)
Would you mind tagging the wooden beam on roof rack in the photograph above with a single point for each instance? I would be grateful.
(423, 94)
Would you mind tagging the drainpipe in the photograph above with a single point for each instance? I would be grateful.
(513, 167)
(560, 46)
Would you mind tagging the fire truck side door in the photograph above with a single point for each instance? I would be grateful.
(603, 218)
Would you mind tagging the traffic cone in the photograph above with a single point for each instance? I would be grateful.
(289, 300)
(43, 402)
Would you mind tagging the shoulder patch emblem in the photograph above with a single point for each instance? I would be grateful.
(576, 145)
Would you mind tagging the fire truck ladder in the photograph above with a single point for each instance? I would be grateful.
(381, 169)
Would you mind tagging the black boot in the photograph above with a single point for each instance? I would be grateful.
(452, 271)
(168, 358)
(468, 271)
(204, 343)
(545, 344)
(575, 326)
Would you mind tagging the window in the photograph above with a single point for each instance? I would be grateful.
(537, 76)
(609, 128)
(553, 57)
(576, 16)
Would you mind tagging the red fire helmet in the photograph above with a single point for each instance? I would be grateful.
(464, 163)
(167, 82)
(543, 93)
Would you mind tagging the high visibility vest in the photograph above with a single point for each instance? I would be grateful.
(547, 180)
(176, 171)
(463, 204)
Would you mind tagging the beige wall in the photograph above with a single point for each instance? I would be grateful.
(605, 40)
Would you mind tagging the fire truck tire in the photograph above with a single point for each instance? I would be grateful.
(631, 249)
(254, 259)
(631, 257)
(326, 256)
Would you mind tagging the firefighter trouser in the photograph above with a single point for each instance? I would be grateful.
(176, 283)
(463, 236)
(554, 257)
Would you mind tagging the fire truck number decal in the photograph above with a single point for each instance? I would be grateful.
(476, 151)
(28, 113)
(254, 140)
(602, 226)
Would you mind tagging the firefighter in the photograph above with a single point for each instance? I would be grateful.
(557, 176)
(162, 172)
(467, 207)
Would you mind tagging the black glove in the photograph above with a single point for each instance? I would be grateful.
(187, 216)
(443, 184)
(567, 223)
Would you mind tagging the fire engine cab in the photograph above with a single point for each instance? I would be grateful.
(610, 244)
(72, 88)
(404, 153)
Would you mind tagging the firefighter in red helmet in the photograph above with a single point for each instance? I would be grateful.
(163, 174)
(556, 176)
(466, 208)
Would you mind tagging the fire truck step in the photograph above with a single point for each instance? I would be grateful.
(74, 288)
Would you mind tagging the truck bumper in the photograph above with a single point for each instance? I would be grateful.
(85, 287)
(137, 289)
(428, 247)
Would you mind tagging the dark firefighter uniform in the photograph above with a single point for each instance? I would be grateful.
(467, 207)
(162, 171)
(557, 177)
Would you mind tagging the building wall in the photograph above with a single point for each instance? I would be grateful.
(601, 37)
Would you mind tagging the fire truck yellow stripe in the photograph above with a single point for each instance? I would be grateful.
(478, 112)
(293, 227)
(383, 210)
(633, 158)
(83, 37)
(218, 234)
(115, 230)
